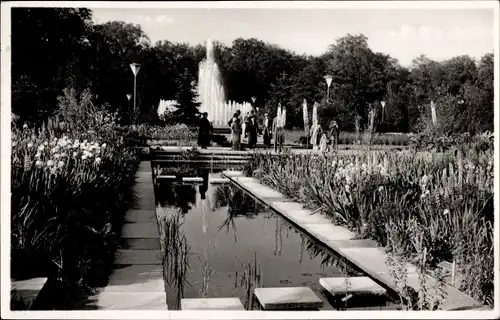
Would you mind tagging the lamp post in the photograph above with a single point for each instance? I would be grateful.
(129, 95)
(253, 102)
(328, 79)
(135, 69)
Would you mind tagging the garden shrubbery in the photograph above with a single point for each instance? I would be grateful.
(70, 191)
(395, 198)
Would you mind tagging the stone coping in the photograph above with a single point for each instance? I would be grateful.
(370, 259)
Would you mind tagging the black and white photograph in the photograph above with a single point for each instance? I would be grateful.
(250, 160)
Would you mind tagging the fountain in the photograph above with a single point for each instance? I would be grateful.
(211, 92)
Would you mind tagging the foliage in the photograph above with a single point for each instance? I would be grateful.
(79, 185)
(97, 56)
(389, 196)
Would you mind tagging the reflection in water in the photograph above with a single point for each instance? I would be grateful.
(175, 256)
(249, 278)
(182, 196)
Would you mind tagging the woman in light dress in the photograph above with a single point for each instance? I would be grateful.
(315, 133)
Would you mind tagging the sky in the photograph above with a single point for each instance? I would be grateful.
(403, 33)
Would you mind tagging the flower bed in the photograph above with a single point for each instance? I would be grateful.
(69, 196)
(439, 209)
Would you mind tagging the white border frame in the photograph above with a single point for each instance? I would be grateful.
(6, 145)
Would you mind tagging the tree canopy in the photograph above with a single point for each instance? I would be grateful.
(58, 48)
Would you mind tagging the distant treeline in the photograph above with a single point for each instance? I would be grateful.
(57, 48)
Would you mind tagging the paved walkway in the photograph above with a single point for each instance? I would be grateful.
(365, 254)
(137, 280)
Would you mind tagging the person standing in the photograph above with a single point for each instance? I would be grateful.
(266, 134)
(204, 132)
(253, 129)
(235, 132)
(334, 134)
(244, 125)
(279, 135)
(315, 133)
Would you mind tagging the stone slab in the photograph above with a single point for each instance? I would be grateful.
(127, 256)
(192, 179)
(136, 278)
(27, 290)
(131, 301)
(219, 181)
(135, 215)
(288, 298)
(140, 244)
(144, 166)
(145, 204)
(371, 260)
(262, 191)
(212, 304)
(354, 243)
(328, 232)
(454, 299)
(141, 230)
(166, 177)
(29, 284)
(232, 173)
(353, 285)
(299, 216)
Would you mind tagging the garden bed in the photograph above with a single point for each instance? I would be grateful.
(440, 209)
(70, 193)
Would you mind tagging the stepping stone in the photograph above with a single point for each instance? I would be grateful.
(140, 230)
(131, 301)
(192, 179)
(288, 298)
(328, 232)
(166, 177)
(136, 278)
(127, 256)
(353, 285)
(135, 215)
(212, 304)
(140, 244)
(219, 180)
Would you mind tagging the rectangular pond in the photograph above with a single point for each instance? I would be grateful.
(220, 242)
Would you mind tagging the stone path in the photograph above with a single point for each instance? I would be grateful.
(137, 280)
(365, 254)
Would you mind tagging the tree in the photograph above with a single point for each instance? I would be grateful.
(46, 45)
(358, 73)
(187, 105)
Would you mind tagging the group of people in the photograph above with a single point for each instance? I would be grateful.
(248, 127)
(325, 140)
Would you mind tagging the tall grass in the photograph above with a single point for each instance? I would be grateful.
(449, 197)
